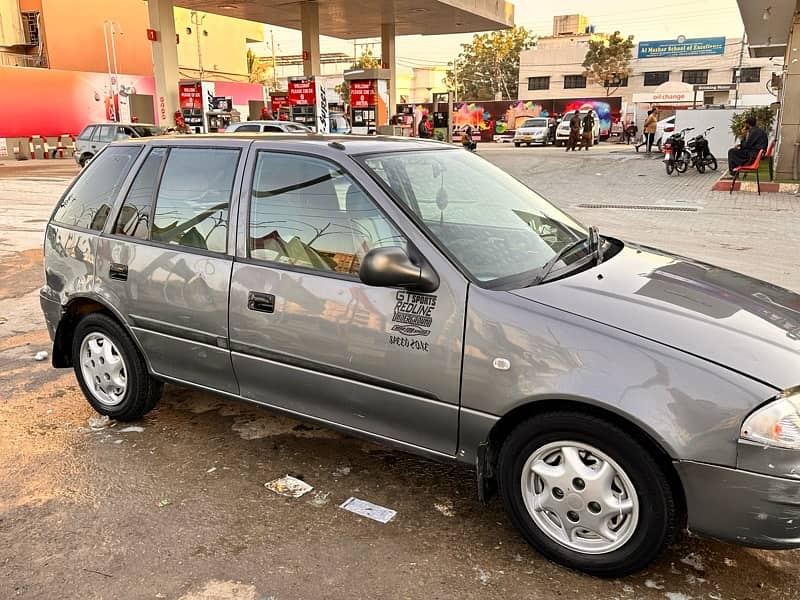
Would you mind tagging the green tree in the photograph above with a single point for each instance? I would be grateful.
(764, 119)
(367, 60)
(608, 61)
(488, 67)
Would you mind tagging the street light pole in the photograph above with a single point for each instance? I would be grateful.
(739, 72)
(274, 68)
(197, 24)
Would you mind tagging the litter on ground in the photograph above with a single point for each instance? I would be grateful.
(320, 498)
(98, 422)
(289, 486)
(132, 429)
(40, 356)
(369, 510)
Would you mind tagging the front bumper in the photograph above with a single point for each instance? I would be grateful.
(751, 509)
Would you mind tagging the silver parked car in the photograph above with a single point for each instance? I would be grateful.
(414, 294)
(267, 127)
(97, 136)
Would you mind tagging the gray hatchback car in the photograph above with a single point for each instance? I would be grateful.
(412, 293)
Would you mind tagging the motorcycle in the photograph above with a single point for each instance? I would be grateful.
(700, 156)
(675, 156)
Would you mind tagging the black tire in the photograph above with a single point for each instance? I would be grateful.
(529, 144)
(670, 165)
(659, 516)
(712, 162)
(682, 163)
(701, 167)
(516, 145)
(142, 391)
(84, 159)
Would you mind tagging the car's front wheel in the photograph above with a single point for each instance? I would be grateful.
(84, 159)
(112, 374)
(586, 494)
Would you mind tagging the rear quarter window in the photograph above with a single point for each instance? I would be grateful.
(88, 202)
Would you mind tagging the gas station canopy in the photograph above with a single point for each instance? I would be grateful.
(351, 19)
(767, 25)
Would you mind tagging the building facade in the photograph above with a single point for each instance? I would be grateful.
(553, 70)
(71, 36)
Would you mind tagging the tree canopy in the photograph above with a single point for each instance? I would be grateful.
(608, 61)
(489, 66)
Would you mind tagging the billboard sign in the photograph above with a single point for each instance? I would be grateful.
(675, 48)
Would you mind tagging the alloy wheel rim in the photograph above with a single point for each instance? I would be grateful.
(580, 497)
(103, 368)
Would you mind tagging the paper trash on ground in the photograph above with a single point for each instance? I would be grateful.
(289, 486)
(368, 509)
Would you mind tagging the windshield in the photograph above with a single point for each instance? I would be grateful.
(498, 229)
(146, 130)
(535, 123)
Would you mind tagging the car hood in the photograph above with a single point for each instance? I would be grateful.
(744, 324)
(532, 130)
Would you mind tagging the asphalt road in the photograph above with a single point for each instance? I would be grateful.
(177, 508)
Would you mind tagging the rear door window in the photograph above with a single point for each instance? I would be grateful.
(88, 202)
(246, 128)
(107, 133)
(194, 196)
(134, 218)
(272, 129)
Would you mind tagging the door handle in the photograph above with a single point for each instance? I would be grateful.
(118, 271)
(261, 302)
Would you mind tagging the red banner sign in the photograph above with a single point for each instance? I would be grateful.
(362, 93)
(191, 96)
(302, 93)
(278, 102)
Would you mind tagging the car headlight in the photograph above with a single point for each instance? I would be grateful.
(776, 423)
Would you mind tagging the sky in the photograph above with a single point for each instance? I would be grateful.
(644, 20)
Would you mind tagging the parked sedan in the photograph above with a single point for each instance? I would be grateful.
(267, 127)
(533, 131)
(414, 294)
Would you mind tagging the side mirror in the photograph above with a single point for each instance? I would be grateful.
(392, 267)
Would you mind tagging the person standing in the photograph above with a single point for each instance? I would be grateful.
(587, 139)
(754, 139)
(423, 130)
(574, 131)
(650, 127)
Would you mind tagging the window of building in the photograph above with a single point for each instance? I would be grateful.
(134, 218)
(193, 198)
(89, 201)
(622, 82)
(572, 82)
(697, 77)
(538, 83)
(30, 23)
(308, 213)
(749, 75)
(653, 78)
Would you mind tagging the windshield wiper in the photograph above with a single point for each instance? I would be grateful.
(550, 264)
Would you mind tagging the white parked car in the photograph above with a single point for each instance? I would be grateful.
(267, 127)
(664, 126)
(562, 131)
(533, 131)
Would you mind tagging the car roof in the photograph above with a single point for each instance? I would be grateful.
(124, 124)
(349, 144)
(267, 122)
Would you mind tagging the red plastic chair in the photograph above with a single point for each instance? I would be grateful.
(751, 168)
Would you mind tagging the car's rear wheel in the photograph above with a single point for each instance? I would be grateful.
(112, 374)
(586, 494)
